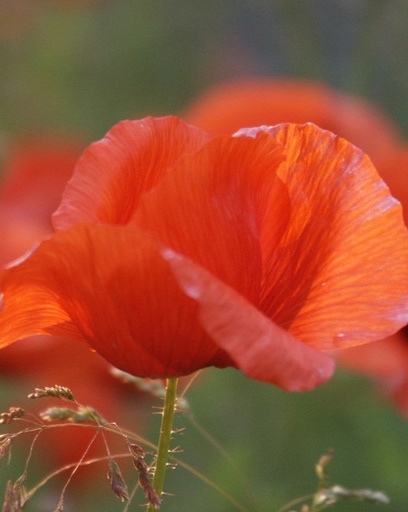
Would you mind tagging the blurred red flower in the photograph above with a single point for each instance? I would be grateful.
(17, 18)
(268, 101)
(175, 250)
(35, 174)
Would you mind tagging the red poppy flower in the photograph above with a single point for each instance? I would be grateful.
(175, 251)
(269, 101)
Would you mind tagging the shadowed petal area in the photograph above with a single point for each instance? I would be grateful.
(260, 348)
(113, 285)
(214, 205)
(114, 172)
(340, 274)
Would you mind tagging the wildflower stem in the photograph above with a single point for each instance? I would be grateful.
(165, 437)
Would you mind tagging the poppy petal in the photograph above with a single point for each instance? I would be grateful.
(340, 274)
(213, 205)
(28, 306)
(114, 172)
(113, 285)
(259, 347)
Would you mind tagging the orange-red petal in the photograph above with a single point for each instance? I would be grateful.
(214, 204)
(113, 173)
(340, 274)
(259, 347)
(110, 287)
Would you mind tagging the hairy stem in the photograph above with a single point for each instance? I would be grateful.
(165, 438)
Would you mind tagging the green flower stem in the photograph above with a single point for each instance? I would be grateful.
(165, 437)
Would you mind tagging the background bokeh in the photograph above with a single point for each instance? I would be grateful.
(74, 69)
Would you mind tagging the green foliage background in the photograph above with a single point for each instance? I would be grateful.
(82, 69)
